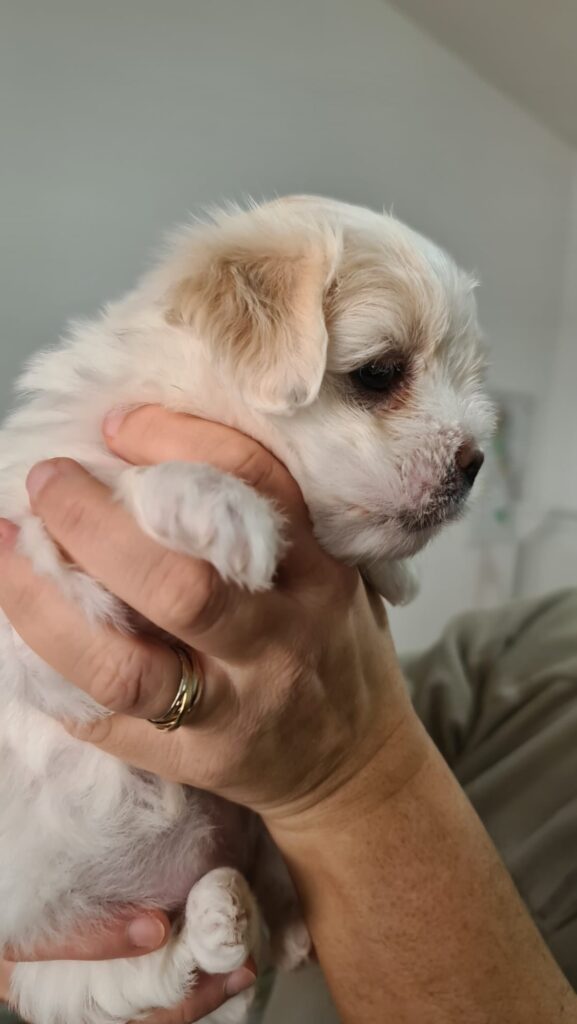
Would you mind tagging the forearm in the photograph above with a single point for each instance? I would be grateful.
(413, 916)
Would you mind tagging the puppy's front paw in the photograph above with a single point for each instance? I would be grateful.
(397, 582)
(203, 512)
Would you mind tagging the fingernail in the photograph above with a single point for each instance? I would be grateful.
(39, 476)
(8, 532)
(238, 982)
(113, 422)
(85, 731)
(146, 933)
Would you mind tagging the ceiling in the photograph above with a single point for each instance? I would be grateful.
(527, 48)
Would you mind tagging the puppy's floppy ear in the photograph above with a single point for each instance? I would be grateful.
(255, 291)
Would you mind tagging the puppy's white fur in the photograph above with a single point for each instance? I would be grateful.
(258, 320)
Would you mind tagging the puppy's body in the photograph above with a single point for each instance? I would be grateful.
(347, 345)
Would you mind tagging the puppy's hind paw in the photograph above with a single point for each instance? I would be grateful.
(222, 921)
(202, 512)
(291, 945)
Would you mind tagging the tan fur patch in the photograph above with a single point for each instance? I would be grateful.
(263, 312)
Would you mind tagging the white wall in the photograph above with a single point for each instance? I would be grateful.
(548, 557)
(555, 478)
(120, 117)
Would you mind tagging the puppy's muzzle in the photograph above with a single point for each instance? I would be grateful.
(448, 501)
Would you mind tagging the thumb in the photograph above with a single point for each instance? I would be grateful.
(129, 934)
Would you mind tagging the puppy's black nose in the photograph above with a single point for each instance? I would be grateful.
(469, 461)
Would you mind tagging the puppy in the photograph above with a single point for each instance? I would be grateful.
(348, 345)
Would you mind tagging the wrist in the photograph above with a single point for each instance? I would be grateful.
(369, 742)
(381, 772)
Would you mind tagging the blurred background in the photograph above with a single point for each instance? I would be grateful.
(119, 117)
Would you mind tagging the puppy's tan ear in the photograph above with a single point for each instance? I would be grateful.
(255, 292)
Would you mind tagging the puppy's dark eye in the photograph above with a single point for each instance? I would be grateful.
(382, 377)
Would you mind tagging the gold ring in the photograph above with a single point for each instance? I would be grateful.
(187, 696)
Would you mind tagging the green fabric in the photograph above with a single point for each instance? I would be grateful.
(264, 988)
(498, 694)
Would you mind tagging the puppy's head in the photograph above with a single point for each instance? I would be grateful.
(356, 340)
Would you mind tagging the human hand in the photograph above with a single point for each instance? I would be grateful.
(126, 936)
(302, 686)
(302, 691)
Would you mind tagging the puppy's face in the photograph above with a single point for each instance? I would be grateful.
(357, 340)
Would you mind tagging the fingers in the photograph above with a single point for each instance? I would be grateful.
(137, 743)
(120, 672)
(184, 596)
(210, 992)
(134, 742)
(5, 974)
(95, 531)
(123, 936)
(151, 434)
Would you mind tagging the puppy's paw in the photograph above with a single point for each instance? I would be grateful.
(291, 945)
(200, 511)
(222, 921)
(397, 582)
(219, 932)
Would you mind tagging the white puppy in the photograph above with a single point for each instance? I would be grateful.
(348, 345)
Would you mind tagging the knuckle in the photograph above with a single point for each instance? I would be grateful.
(17, 596)
(120, 684)
(191, 1010)
(145, 423)
(22, 595)
(187, 596)
(69, 517)
(260, 470)
(170, 591)
(185, 1013)
(256, 467)
(175, 766)
(211, 600)
(214, 774)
